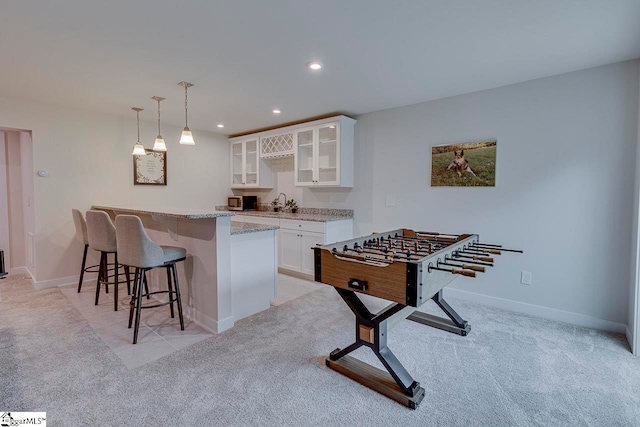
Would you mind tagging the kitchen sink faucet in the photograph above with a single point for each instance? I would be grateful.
(285, 198)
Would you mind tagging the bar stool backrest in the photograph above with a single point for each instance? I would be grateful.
(135, 248)
(102, 233)
(81, 226)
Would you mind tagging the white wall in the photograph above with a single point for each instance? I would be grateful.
(564, 187)
(632, 321)
(88, 157)
(4, 204)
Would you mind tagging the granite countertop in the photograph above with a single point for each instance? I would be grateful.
(186, 213)
(297, 216)
(247, 227)
(303, 214)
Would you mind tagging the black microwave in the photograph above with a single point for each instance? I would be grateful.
(242, 203)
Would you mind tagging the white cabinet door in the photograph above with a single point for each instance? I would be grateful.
(305, 157)
(328, 154)
(247, 169)
(237, 164)
(251, 164)
(290, 257)
(308, 241)
(318, 155)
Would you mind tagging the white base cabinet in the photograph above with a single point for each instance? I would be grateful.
(295, 250)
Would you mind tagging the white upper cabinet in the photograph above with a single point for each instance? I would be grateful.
(247, 169)
(322, 151)
(323, 154)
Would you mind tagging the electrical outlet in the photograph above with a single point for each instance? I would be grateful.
(526, 277)
(390, 201)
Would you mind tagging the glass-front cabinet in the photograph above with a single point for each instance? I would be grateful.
(245, 165)
(305, 159)
(317, 155)
(322, 155)
(328, 154)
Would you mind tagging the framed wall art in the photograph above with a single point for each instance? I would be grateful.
(471, 164)
(150, 168)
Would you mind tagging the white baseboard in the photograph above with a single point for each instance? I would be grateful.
(539, 311)
(63, 281)
(629, 336)
(209, 323)
(52, 283)
(20, 270)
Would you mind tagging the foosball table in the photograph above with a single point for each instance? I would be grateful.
(407, 268)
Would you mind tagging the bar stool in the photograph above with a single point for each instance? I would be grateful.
(137, 250)
(102, 237)
(81, 236)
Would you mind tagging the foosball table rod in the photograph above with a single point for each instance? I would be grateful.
(475, 259)
(494, 247)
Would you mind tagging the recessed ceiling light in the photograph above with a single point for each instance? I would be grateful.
(276, 111)
(220, 125)
(313, 65)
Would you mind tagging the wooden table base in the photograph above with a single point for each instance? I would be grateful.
(374, 378)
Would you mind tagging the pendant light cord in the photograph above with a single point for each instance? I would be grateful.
(158, 117)
(185, 106)
(138, 116)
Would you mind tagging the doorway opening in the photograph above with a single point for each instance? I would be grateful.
(16, 201)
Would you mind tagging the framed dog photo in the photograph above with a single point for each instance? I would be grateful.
(464, 165)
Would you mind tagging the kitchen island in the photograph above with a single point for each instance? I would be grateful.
(299, 232)
(217, 286)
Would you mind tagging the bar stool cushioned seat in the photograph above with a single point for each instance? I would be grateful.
(136, 249)
(102, 237)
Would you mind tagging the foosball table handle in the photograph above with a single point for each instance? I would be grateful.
(474, 268)
(492, 251)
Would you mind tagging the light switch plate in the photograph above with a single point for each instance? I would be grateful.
(390, 201)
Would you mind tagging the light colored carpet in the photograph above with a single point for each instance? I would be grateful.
(269, 371)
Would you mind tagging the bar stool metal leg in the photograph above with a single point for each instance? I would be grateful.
(117, 276)
(126, 271)
(175, 281)
(138, 309)
(100, 275)
(84, 263)
(136, 285)
(170, 290)
(106, 273)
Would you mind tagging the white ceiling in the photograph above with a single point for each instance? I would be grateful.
(248, 57)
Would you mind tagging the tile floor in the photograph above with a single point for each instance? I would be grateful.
(159, 334)
(290, 287)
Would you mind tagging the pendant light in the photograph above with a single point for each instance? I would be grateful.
(159, 145)
(138, 149)
(187, 136)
